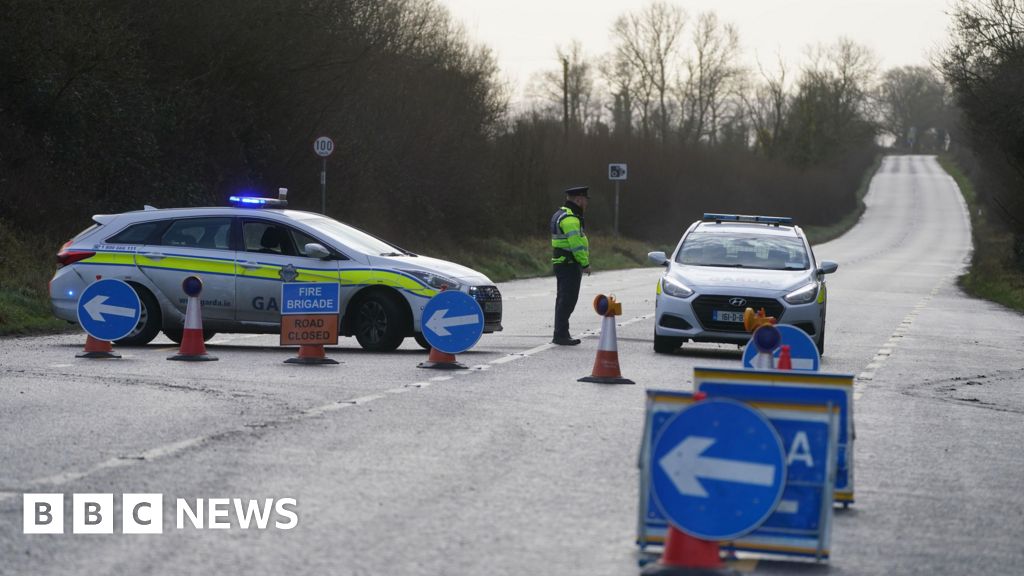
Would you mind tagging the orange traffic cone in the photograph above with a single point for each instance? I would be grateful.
(193, 348)
(686, 555)
(606, 364)
(785, 358)
(311, 354)
(442, 361)
(95, 348)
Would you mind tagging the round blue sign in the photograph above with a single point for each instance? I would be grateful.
(109, 309)
(802, 350)
(452, 322)
(718, 470)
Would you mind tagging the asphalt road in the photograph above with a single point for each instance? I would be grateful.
(513, 467)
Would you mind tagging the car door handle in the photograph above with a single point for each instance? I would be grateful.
(248, 265)
(153, 255)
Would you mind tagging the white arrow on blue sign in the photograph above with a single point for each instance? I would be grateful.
(452, 322)
(109, 309)
(720, 470)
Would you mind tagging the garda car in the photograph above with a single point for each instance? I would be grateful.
(243, 253)
(726, 263)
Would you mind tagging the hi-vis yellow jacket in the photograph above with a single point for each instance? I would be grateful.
(568, 238)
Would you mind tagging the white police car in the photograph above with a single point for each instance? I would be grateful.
(726, 263)
(243, 255)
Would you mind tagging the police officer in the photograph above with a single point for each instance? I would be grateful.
(571, 259)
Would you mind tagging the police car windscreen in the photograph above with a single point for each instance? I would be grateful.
(762, 251)
(353, 237)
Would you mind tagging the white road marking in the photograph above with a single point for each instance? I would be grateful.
(173, 448)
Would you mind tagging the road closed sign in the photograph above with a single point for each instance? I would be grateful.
(309, 329)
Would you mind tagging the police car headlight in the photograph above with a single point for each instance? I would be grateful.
(804, 294)
(675, 288)
(435, 281)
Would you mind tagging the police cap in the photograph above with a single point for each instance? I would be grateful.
(578, 191)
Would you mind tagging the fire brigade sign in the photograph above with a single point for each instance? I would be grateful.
(309, 313)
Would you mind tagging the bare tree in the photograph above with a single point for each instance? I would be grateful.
(912, 100)
(648, 42)
(712, 75)
(767, 105)
(572, 84)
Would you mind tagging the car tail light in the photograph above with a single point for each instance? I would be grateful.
(65, 256)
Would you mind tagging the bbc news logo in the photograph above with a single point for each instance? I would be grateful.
(144, 514)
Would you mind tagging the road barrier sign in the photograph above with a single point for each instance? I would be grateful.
(800, 524)
(717, 470)
(309, 318)
(814, 388)
(452, 322)
(803, 351)
(109, 309)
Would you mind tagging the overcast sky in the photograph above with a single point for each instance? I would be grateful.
(524, 33)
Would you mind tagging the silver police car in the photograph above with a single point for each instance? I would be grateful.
(243, 253)
(726, 263)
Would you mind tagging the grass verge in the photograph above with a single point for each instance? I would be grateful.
(26, 266)
(993, 273)
(503, 260)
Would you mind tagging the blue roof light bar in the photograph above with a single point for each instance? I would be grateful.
(256, 202)
(776, 220)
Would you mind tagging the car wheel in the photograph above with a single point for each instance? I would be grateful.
(380, 323)
(666, 344)
(149, 320)
(422, 341)
(176, 335)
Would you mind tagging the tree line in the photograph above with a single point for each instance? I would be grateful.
(984, 65)
(107, 105)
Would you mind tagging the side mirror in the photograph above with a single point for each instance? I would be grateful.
(658, 258)
(828, 267)
(314, 250)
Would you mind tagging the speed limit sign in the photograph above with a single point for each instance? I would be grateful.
(323, 146)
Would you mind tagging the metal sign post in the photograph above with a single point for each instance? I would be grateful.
(324, 147)
(617, 173)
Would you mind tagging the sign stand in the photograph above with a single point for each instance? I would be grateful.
(324, 147)
(617, 173)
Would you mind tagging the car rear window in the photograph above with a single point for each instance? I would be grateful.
(137, 233)
(212, 233)
(748, 250)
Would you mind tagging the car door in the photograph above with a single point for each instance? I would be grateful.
(199, 246)
(271, 253)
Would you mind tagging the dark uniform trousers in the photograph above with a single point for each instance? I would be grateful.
(569, 277)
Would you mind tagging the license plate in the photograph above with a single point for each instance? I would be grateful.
(726, 316)
(496, 307)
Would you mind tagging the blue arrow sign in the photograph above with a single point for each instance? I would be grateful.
(310, 298)
(452, 322)
(718, 470)
(802, 349)
(109, 309)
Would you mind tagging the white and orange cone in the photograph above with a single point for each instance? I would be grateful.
(96, 348)
(606, 364)
(311, 354)
(685, 555)
(438, 360)
(193, 346)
